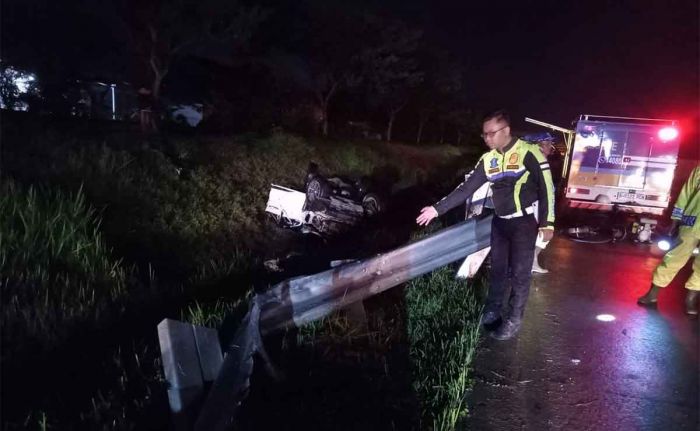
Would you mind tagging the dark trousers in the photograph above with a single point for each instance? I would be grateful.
(512, 251)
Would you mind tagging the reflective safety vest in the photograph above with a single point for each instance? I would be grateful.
(687, 207)
(519, 177)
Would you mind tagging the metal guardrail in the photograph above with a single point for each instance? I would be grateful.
(301, 300)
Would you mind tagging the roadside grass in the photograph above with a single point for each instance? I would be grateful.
(340, 374)
(443, 333)
(179, 203)
(213, 314)
(61, 283)
(134, 398)
(340, 331)
(105, 235)
(59, 279)
(440, 326)
(57, 271)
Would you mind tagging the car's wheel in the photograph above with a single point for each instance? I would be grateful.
(317, 188)
(371, 204)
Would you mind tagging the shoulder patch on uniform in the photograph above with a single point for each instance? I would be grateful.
(513, 158)
(494, 163)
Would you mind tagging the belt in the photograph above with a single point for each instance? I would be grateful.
(526, 211)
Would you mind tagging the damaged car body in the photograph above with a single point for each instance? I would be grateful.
(328, 205)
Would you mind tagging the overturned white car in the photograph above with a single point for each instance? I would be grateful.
(329, 205)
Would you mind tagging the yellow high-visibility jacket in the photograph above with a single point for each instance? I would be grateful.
(687, 207)
(519, 176)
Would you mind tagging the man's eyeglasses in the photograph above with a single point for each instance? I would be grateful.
(491, 134)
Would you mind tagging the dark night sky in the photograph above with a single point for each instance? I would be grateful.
(553, 60)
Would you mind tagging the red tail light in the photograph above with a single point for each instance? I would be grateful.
(579, 191)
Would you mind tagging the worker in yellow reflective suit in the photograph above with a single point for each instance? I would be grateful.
(686, 225)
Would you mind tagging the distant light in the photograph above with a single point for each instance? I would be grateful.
(605, 317)
(23, 82)
(664, 245)
(668, 133)
(696, 251)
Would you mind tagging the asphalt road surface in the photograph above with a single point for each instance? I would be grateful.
(569, 370)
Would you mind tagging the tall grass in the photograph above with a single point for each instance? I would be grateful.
(56, 269)
(134, 399)
(337, 329)
(443, 332)
(196, 213)
(213, 314)
(59, 279)
(181, 203)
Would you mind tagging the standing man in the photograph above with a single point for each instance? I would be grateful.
(553, 156)
(519, 176)
(685, 224)
(556, 166)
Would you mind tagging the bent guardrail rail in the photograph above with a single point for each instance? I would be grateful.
(301, 300)
(304, 299)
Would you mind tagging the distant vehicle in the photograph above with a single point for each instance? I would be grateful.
(187, 114)
(620, 165)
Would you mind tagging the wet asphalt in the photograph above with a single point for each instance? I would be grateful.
(567, 370)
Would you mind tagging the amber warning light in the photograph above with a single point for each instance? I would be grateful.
(668, 133)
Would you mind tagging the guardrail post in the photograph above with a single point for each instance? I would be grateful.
(191, 358)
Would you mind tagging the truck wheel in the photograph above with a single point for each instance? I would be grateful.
(317, 189)
(371, 204)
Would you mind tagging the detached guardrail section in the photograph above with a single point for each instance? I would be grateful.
(300, 300)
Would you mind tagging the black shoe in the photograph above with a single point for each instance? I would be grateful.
(507, 330)
(651, 297)
(691, 302)
(489, 318)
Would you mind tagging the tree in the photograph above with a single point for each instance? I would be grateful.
(17, 88)
(164, 30)
(391, 67)
(439, 91)
(464, 122)
(323, 60)
(333, 49)
(426, 108)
